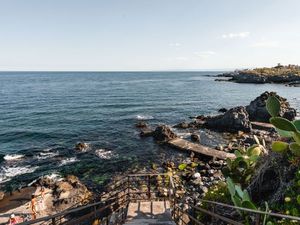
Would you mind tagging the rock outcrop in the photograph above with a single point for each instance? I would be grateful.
(235, 119)
(81, 146)
(257, 108)
(70, 191)
(66, 192)
(163, 133)
(259, 78)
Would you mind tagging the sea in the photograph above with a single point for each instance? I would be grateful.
(44, 114)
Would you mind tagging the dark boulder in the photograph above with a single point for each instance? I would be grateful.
(182, 125)
(257, 108)
(195, 138)
(234, 120)
(222, 110)
(164, 133)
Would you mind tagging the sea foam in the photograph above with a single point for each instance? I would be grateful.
(144, 117)
(68, 161)
(6, 173)
(104, 154)
(13, 157)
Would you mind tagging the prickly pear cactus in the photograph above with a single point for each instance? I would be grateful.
(286, 128)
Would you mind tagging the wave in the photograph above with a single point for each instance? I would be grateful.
(68, 161)
(104, 154)
(46, 155)
(6, 173)
(144, 117)
(13, 157)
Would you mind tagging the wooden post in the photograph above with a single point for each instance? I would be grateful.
(149, 188)
(128, 187)
(53, 221)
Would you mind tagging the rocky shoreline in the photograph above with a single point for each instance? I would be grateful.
(280, 74)
(239, 126)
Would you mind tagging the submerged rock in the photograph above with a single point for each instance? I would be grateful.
(257, 108)
(146, 132)
(141, 124)
(234, 120)
(164, 133)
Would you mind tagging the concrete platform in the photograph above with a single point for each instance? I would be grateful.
(149, 213)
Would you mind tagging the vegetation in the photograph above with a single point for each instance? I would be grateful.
(274, 71)
(241, 169)
(286, 128)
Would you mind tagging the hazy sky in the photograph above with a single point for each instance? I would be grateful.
(148, 34)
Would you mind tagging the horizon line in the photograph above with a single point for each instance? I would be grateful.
(181, 70)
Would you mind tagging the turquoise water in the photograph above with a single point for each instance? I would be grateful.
(44, 114)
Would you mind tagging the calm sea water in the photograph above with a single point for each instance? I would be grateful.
(44, 114)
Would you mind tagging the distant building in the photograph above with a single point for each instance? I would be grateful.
(279, 66)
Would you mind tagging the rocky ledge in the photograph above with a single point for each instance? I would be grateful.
(279, 74)
(241, 118)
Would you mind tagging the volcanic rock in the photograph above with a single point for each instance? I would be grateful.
(234, 120)
(257, 108)
(164, 133)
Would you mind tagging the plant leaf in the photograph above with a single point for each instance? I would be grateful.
(248, 204)
(182, 166)
(295, 148)
(273, 106)
(297, 124)
(239, 190)
(279, 146)
(238, 153)
(283, 124)
(284, 133)
(246, 196)
(230, 186)
(237, 201)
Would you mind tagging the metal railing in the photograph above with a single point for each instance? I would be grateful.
(114, 203)
(112, 206)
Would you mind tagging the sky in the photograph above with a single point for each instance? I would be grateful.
(142, 35)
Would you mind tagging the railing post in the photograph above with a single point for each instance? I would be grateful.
(53, 221)
(128, 187)
(194, 209)
(149, 187)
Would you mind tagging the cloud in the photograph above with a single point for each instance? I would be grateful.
(176, 44)
(266, 44)
(236, 35)
(204, 54)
